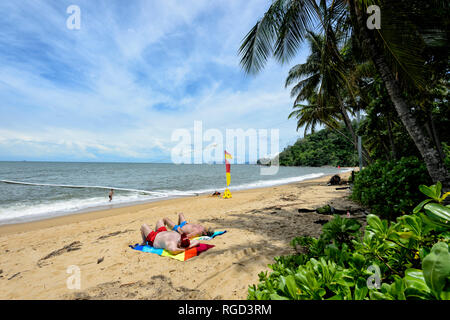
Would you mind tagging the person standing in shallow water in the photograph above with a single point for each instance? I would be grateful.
(111, 194)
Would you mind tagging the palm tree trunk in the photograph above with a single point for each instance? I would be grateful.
(391, 138)
(430, 155)
(435, 135)
(348, 124)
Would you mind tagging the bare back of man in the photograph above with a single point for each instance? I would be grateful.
(161, 238)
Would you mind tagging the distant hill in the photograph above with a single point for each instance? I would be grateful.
(322, 148)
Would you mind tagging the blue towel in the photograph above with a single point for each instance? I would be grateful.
(217, 233)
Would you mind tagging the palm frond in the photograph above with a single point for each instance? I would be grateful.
(297, 17)
(305, 88)
(403, 47)
(299, 71)
(257, 46)
(279, 32)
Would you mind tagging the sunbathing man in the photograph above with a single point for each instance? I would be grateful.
(172, 241)
(192, 230)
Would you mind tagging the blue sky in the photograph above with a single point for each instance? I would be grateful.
(116, 89)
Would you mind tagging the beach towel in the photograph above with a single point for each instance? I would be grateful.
(217, 233)
(183, 256)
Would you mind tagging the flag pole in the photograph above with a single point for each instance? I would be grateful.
(227, 193)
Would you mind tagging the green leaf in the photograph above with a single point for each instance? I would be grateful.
(445, 295)
(415, 279)
(398, 289)
(429, 191)
(376, 223)
(376, 295)
(358, 261)
(413, 223)
(321, 292)
(437, 211)
(433, 222)
(436, 267)
(361, 292)
(420, 205)
(438, 190)
(445, 195)
(416, 294)
(405, 235)
(275, 296)
(281, 283)
(291, 286)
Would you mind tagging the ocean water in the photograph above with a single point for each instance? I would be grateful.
(88, 184)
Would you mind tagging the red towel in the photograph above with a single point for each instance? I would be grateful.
(193, 252)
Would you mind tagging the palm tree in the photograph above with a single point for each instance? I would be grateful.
(435, 165)
(319, 78)
(284, 26)
(312, 115)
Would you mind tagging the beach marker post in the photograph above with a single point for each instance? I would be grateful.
(227, 193)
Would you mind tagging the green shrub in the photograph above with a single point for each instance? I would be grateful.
(340, 230)
(389, 188)
(410, 257)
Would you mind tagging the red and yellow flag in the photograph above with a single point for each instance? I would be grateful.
(227, 165)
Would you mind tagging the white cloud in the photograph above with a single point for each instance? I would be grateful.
(100, 108)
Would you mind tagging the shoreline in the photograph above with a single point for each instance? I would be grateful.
(260, 223)
(101, 211)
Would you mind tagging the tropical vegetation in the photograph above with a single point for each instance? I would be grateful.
(325, 147)
(389, 187)
(394, 79)
(408, 259)
(396, 76)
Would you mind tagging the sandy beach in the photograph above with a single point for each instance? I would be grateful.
(260, 223)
